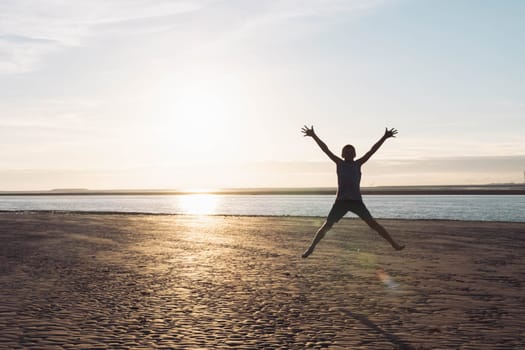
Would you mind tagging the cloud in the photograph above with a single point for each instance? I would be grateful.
(60, 114)
(302, 8)
(31, 29)
(492, 164)
(442, 171)
(20, 54)
(277, 20)
(422, 171)
(480, 164)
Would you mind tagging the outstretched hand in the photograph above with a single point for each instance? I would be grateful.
(308, 132)
(390, 133)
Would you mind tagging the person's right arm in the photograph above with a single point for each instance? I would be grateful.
(310, 132)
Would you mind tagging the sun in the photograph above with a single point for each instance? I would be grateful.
(198, 115)
(201, 119)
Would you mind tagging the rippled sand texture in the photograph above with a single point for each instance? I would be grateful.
(135, 281)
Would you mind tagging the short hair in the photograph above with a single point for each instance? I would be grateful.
(348, 148)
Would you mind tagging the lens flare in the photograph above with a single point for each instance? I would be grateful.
(387, 280)
(367, 260)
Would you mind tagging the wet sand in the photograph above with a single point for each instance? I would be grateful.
(87, 281)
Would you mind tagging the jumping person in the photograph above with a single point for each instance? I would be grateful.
(348, 188)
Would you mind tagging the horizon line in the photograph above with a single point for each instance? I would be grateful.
(492, 188)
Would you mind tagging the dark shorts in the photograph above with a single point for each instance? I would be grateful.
(343, 206)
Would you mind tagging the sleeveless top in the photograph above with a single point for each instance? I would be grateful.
(348, 181)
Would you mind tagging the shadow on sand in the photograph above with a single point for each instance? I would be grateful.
(402, 345)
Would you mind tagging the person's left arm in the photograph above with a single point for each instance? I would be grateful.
(388, 134)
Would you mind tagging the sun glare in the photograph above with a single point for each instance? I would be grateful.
(198, 190)
(201, 119)
(198, 204)
(198, 114)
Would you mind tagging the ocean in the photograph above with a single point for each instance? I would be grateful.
(510, 208)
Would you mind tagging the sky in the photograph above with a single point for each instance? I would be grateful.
(193, 94)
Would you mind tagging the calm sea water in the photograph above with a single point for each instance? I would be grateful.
(453, 207)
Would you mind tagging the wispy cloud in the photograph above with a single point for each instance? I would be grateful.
(416, 165)
(437, 171)
(31, 29)
(49, 114)
(300, 8)
(479, 164)
(21, 54)
(278, 19)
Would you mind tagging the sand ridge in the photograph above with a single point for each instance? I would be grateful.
(73, 281)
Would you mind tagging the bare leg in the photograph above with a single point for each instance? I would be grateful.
(383, 233)
(318, 236)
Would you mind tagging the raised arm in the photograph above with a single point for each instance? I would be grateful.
(388, 134)
(310, 132)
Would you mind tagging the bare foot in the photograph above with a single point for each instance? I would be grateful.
(306, 253)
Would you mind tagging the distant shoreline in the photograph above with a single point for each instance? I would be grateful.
(496, 189)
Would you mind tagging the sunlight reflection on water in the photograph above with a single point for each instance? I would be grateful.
(197, 204)
(467, 207)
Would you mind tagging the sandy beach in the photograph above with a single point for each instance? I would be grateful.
(96, 281)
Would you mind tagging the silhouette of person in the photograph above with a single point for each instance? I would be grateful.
(348, 188)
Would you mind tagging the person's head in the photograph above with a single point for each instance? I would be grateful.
(348, 152)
